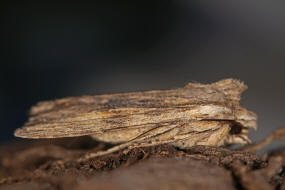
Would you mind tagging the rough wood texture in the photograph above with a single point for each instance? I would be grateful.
(39, 165)
(197, 114)
(184, 174)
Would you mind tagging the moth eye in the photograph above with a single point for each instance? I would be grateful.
(236, 129)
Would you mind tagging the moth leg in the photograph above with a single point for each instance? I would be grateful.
(90, 155)
(153, 136)
(187, 136)
(159, 140)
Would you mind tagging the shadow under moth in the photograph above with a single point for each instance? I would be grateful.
(198, 114)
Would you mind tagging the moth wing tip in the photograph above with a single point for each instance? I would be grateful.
(23, 133)
(19, 133)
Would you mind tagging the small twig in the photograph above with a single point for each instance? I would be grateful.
(276, 135)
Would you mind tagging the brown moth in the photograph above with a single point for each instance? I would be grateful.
(198, 114)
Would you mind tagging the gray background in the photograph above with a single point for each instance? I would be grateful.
(53, 50)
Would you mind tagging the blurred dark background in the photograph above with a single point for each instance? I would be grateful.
(53, 50)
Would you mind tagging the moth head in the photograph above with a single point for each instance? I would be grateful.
(238, 134)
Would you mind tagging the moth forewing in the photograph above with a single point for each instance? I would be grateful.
(195, 114)
(98, 122)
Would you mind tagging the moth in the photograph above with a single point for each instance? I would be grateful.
(198, 114)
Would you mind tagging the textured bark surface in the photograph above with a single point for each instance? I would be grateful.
(50, 164)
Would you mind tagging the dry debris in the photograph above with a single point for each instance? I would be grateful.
(54, 165)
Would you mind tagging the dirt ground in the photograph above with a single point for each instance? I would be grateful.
(52, 164)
